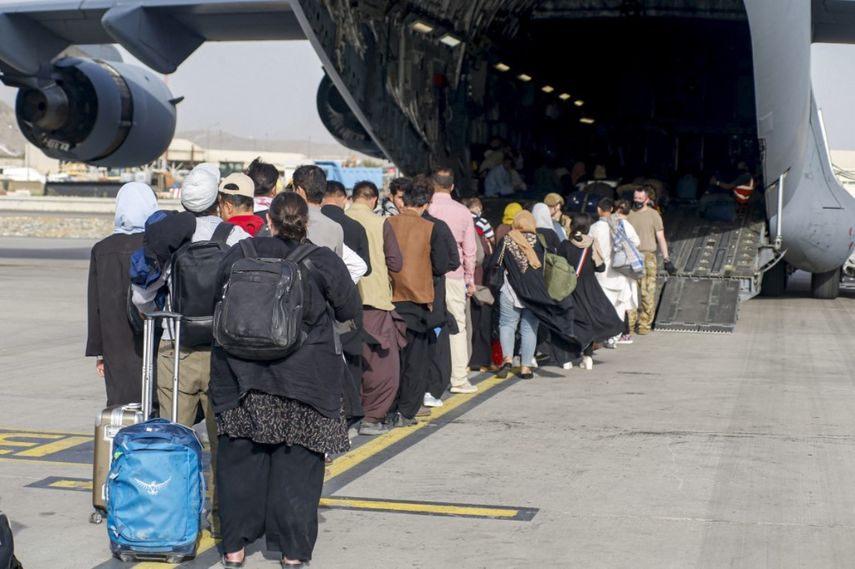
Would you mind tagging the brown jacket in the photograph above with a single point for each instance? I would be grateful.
(414, 282)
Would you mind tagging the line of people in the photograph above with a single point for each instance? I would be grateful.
(385, 328)
(402, 300)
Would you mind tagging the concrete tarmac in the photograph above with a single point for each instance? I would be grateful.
(679, 451)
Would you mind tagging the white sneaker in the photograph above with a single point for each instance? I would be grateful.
(463, 388)
(587, 363)
(431, 401)
(516, 362)
(567, 365)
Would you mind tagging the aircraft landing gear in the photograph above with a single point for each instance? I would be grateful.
(825, 285)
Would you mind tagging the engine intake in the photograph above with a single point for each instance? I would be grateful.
(101, 113)
(341, 122)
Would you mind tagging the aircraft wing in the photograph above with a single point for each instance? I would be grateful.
(160, 33)
(833, 21)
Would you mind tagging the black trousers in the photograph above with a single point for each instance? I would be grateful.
(439, 362)
(271, 490)
(415, 365)
(482, 335)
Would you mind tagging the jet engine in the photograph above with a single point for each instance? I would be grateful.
(98, 112)
(341, 122)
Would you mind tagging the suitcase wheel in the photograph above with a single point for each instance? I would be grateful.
(96, 517)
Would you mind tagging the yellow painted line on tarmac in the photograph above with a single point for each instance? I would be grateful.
(72, 484)
(43, 462)
(420, 508)
(347, 461)
(6, 439)
(54, 447)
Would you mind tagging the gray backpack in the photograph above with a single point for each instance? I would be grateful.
(260, 313)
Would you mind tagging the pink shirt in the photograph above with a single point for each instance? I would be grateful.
(459, 220)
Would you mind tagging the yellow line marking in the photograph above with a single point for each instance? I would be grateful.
(12, 431)
(55, 447)
(43, 462)
(5, 451)
(6, 442)
(205, 543)
(72, 484)
(449, 510)
(344, 463)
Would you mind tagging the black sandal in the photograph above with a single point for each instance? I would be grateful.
(300, 565)
(504, 371)
(233, 564)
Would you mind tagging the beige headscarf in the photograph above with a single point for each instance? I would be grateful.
(521, 239)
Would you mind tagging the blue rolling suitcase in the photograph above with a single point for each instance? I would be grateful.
(155, 488)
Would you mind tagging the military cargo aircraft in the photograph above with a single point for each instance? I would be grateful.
(673, 83)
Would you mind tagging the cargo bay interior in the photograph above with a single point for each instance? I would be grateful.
(646, 97)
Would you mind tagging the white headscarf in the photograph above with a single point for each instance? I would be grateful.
(135, 203)
(541, 216)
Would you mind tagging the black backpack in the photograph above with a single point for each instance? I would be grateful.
(7, 546)
(193, 292)
(260, 315)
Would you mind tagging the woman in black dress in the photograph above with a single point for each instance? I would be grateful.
(595, 319)
(276, 419)
(110, 336)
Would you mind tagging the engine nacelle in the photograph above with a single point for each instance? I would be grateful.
(341, 122)
(101, 113)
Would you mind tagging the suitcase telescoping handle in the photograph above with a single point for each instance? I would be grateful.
(148, 361)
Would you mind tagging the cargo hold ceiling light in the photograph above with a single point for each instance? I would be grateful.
(421, 27)
(564, 96)
(586, 120)
(547, 88)
(501, 67)
(449, 40)
(524, 78)
(578, 102)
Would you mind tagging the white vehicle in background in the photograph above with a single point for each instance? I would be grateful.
(21, 174)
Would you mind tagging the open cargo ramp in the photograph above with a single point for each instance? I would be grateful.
(718, 266)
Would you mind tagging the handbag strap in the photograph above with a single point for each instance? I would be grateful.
(502, 253)
(582, 260)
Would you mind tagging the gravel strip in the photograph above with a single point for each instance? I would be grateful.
(84, 227)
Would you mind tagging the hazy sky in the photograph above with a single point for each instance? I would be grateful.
(267, 89)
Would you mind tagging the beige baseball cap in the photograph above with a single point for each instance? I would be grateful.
(245, 185)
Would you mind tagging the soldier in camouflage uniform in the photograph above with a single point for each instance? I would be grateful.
(648, 224)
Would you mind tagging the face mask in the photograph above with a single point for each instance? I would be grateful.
(637, 205)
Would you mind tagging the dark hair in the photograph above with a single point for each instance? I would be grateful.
(399, 185)
(238, 202)
(606, 204)
(581, 224)
(647, 189)
(289, 215)
(365, 190)
(264, 176)
(622, 207)
(419, 193)
(472, 202)
(443, 177)
(313, 180)
(335, 189)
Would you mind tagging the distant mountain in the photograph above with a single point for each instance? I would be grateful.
(11, 139)
(221, 140)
